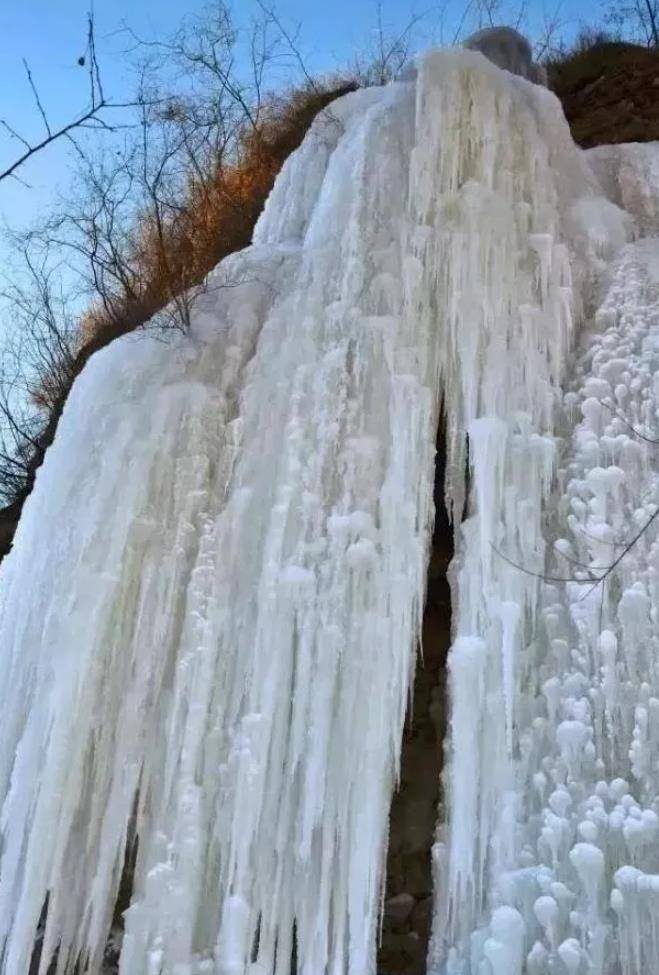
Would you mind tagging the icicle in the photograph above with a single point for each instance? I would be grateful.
(211, 611)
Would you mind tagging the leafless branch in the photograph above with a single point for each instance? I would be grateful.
(98, 106)
(36, 97)
(626, 547)
(632, 429)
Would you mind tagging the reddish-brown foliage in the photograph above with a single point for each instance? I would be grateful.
(216, 218)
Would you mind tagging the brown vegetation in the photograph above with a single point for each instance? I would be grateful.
(217, 218)
(154, 205)
(609, 90)
(171, 256)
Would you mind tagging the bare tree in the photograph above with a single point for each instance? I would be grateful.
(93, 117)
(125, 228)
(154, 204)
(488, 13)
(38, 361)
(388, 50)
(548, 42)
(637, 20)
(123, 236)
(479, 14)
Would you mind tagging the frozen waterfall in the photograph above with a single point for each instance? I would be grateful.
(210, 617)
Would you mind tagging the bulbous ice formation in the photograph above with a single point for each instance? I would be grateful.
(210, 616)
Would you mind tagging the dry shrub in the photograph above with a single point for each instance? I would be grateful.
(593, 54)
(215, 218)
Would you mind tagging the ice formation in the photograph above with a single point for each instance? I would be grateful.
(210, 616)
(629, 175)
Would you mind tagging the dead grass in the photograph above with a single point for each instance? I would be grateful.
(593, 54)
(216, 218)
(609, 90)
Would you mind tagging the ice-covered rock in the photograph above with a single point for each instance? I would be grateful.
(508, 49)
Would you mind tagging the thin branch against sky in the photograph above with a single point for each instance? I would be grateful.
(326, 36)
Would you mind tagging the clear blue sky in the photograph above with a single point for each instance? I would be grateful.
(50, 35)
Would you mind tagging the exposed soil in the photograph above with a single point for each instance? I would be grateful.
(610, 93)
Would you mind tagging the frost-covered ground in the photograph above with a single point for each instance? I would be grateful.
(210, 617)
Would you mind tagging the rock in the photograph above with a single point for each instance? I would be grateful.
(417, 878)
(419, 779)
(396, 827)
(404, 954)
(437, 709)
(391, 956)
(413, 947)
(508, 49)
(420, 818)
(439, 562)
(421, 917)
(398, 909)
(395, 883)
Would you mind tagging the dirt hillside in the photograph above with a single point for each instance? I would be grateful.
(610, 93)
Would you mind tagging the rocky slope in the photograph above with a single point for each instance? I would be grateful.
(610, 93)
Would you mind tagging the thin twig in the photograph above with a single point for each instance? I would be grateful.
(540, 575)
(628, 548)
(36, 96)
(637, 433)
